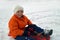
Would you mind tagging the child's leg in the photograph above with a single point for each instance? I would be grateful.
(40, 30)
(36, 28)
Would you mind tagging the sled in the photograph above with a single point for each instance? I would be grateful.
(41, 37)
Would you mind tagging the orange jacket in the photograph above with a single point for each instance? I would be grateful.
(17, 25)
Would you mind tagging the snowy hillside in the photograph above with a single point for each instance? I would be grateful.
(44, 13)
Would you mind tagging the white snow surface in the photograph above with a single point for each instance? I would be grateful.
(44, 13)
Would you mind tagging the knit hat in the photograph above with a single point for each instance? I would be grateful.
(17, 8)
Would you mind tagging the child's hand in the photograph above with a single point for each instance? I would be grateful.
(39, 34)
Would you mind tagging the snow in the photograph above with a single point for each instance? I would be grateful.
(44, 13)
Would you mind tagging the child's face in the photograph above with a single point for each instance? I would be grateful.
(19, 13)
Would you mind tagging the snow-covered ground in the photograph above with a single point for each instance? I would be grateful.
(44, 13)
